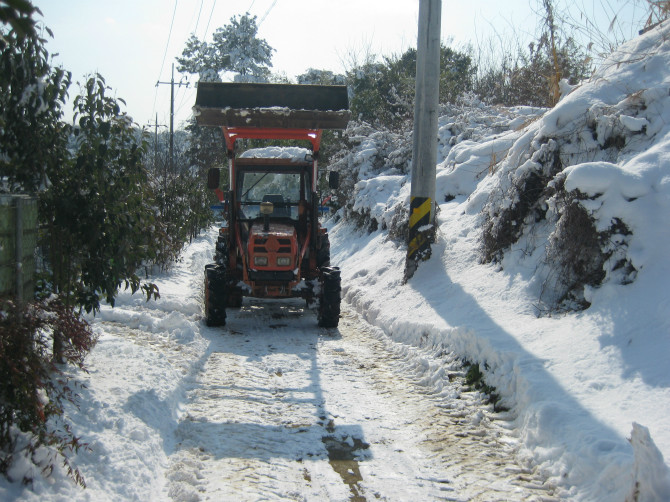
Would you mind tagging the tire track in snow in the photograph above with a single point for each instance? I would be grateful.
(252, 422)
(464, 446)
(283, 410)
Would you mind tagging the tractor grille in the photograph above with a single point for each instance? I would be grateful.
(260, 245)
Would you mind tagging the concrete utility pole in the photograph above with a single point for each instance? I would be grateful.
(171, 82)
(424, 151)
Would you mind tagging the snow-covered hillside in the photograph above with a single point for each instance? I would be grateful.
(583, 188)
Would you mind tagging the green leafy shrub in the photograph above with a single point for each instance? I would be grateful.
(31, 99)
(98, 210)
(383, 92)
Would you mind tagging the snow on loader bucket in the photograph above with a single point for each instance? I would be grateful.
(272, 105)
(273, 245)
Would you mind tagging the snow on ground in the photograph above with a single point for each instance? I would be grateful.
(273, 408)
(146, 357)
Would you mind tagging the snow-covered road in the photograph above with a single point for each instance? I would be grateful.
(285, 411)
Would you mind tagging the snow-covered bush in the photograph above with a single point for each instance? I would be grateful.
(569, 186)
(578, 253)
(519, 200)
(374, 166)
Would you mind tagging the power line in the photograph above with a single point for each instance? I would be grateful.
(197, 21)
(172, 84)
(188, 95)
(266, 13)
(167, 45)
(208, 21)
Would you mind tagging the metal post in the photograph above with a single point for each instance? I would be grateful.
(424, 151)
(19, 250)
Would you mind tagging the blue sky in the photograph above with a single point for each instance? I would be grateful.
(131, 44)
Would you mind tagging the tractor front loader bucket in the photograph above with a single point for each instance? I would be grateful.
(286, 106)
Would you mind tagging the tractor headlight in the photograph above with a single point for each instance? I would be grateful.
(284, 261)
(261, 261)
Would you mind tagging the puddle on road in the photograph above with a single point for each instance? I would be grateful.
(343, 456)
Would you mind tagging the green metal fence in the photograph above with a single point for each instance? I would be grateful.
(18, 240)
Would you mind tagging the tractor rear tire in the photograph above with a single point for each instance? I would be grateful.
(329, 298)
(234, 300)
(215, 295)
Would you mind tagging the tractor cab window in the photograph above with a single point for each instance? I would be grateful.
(284, 189)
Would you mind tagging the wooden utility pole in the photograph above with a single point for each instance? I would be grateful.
(424, 151)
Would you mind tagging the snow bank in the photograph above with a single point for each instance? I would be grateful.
(578, 383)
(131, 400)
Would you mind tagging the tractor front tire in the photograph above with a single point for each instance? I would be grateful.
(215, 295)
(323, 251)
(233, 292)
(329, 298)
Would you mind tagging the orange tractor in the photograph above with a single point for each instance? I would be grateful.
(273, 245)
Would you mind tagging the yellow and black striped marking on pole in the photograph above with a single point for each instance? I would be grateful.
(419, 228)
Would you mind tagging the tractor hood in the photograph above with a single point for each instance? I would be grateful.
(273, 250)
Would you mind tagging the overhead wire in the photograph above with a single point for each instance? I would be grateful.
(184, 93)
(208, 21)
(197, 21)
(266, 13)
(202, 39)
(167, 45)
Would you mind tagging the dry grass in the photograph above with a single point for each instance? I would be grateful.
(659, 10)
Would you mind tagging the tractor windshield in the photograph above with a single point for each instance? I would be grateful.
(284, 189)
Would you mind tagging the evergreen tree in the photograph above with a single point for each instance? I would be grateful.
(383, 92)
(32, 95)
(321, 77)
